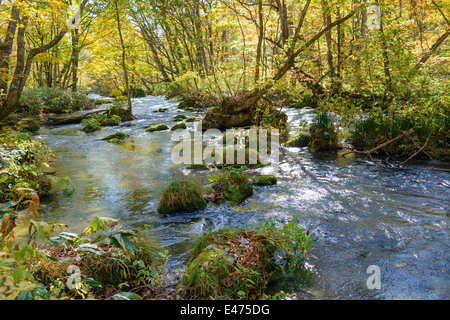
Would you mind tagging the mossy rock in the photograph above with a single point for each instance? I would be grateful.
(300, 140)
(200, 166)
(157, 127)
(204, 275)
(162, 109)
(180, 117)
(265, 180)
(115, 140)
(118, 135)
(28, 124)
(181, 196)
(234, 184)
(192, 119)
(180, 125)
(238, 196)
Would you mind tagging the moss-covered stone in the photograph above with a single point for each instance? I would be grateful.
(181, 196)
(180, 125)
(234, 184)
(118, 135)
(265, 180)
(192, 119)
(200, 166)
(162, 109)
(115, 140)
(157, 127)
(179, 117)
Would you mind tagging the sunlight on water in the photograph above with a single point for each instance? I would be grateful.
(359, 214)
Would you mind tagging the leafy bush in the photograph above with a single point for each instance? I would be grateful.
(49, 100)
(21, 162)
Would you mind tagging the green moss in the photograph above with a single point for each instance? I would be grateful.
(201, 166)
(265, 180)
(180, 125)
(91, 125)
(179, 117)
(300, 140)
(162, 109)
(192, 119)
(118, 135)
(157, 127)
(181, 196)
(115, 140)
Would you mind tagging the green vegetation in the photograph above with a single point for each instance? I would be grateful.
(234, 184)
(177, 126)
(118, 135)
(157, 127)
(429, 132)
(323, 133)
(181, 196)
(238, 263)
(265, 180)
(22, 164)
(35, 101)
(201, 166)
(301, 139)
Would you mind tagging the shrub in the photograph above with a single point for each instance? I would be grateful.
(21, 163)
(181, 196)
(50, 100)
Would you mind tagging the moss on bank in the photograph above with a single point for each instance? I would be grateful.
(237, 263)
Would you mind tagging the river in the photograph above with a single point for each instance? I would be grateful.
(359, 214)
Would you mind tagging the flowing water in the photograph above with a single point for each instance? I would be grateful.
(359, 214)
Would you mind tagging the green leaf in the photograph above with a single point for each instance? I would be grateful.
(3, 178)
(126, 296)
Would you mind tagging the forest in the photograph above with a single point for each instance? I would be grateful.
(93, 92)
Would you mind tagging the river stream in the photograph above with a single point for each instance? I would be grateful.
(359, 214)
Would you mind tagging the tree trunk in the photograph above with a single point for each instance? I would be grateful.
(260, 40)
(6, 50)
(124, 64)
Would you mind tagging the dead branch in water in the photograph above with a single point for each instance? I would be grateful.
(381, 146)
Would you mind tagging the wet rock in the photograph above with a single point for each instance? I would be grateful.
(180, 125)
(157, 127)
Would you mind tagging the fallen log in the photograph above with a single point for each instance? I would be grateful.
(73, 119)
(381, 146)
